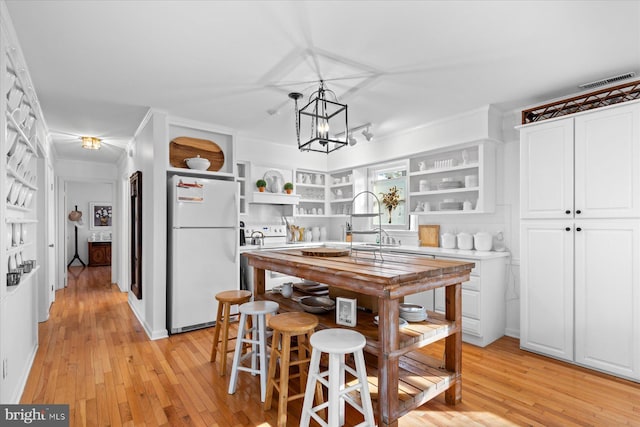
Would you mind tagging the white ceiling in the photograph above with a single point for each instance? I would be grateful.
(97, 66)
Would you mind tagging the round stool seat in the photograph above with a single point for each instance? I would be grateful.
(293, 322)
(259, 307)
(233, 297)
(338, 341)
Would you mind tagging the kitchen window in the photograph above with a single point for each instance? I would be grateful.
(383, 178)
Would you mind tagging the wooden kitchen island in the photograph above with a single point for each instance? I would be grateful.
(405, 379)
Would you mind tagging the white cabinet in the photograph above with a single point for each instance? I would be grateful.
(585, 167)
(580, 205)
(546, 170)
(483, 301)
(607, 296)
(546, 288)
(442, 181)
(579, 292)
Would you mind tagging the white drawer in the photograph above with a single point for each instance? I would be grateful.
(470, 304)
(471, 326)
(473, 283)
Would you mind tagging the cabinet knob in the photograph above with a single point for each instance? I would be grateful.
(578, 212)
(568, 229)
(578, 229)
(568, 212)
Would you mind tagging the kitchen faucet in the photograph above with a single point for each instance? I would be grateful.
(389, 241)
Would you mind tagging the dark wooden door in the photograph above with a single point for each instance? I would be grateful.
(135, 182)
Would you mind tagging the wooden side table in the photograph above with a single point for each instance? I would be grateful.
(99, 254)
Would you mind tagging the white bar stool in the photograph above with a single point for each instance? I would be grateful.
(337, 343)
(258, 340)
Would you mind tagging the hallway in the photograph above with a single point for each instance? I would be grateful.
(95, 356)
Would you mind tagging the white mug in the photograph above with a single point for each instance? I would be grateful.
(287, 289)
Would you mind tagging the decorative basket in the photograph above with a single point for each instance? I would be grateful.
(13, 278)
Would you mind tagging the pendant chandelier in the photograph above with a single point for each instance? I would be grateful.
(321, 119)
(91, 143)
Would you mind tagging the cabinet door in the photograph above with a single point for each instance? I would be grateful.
(546, 281)
(607, 290)
(546, 170)
(607, 163)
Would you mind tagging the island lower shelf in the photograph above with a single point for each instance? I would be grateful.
(420, 377)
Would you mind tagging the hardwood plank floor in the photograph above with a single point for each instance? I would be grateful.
(95, 356)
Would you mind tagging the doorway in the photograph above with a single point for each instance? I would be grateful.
(96, 236)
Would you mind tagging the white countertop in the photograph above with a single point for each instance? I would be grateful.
(417, 250)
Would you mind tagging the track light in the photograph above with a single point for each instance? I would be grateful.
(367, 134)
(352, 140)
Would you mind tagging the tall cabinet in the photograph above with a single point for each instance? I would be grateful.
(580, 239)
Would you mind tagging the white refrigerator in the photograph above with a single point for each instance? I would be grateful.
(203, 254)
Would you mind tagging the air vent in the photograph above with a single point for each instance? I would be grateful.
(606, 81)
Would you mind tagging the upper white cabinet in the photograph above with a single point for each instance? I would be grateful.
(584, 167)
(460, 180)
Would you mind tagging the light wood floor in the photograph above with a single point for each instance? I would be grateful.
(95, 356)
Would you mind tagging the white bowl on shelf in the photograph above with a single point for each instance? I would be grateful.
(9, 80)
(15, 96)
(15, 233)
(198, 163)
(15, 191)
(12, 136)
(29, 199)
(22, 195)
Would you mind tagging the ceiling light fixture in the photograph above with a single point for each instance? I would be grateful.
(367, 134)
(91, 143)
(352, 139)
(322, 119)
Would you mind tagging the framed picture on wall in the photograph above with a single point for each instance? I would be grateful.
(101, 215)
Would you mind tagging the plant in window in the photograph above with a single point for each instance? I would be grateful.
(391, 200)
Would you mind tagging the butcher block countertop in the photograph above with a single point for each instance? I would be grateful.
(401, 379)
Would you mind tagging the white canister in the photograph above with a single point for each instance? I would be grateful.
(323, 234)
(424, 185)
(467, 205)
(483, 241)
(465, 241)
(448, 241)
(470, 181)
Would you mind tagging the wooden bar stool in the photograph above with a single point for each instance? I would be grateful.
(225, 300)
(286, 326)
(256, 337)
(337, 343)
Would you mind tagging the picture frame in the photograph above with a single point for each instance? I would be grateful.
(101, 215)
(346, 311)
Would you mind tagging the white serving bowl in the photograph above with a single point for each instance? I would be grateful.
(198, 163)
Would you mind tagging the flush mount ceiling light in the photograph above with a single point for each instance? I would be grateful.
(322, 120)
(91, 143)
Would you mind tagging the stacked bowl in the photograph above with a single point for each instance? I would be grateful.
(413, 312)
